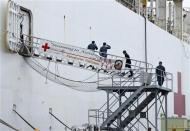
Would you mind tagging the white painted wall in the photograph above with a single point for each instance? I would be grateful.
(110, 22)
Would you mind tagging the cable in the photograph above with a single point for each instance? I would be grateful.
(89, 77)
(86, 86)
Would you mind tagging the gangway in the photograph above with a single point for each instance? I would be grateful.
(20, 40)
(30, 125)
(65, 54)
(102, 66)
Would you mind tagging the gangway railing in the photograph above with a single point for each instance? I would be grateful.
(30, 125)
(141, 76)
(65, 125)
(58, 52)
(8, 125)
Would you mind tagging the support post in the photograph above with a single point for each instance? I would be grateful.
(119, 117)
(145, 42)
(156, 112)
(107, 103)
(166, 113)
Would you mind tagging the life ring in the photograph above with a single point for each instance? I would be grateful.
(118, 64)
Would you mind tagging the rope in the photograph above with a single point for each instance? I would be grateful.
(89, 77)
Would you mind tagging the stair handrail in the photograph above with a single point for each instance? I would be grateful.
(98, 113)
(113, 102)
(142, 103)
(129, 99)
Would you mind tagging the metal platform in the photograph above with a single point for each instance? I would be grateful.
(150, 88)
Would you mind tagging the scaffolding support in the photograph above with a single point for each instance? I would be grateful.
(166, 113)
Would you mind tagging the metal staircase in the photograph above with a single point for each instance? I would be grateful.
(128, 98)
(138, 109)
(122, 108)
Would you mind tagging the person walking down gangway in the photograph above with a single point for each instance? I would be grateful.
(160, 73)
(127, 64)
(92, 46)
(103, 50)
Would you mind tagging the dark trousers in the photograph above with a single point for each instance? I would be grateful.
(129, 66)
(103, 54)
(160, 80)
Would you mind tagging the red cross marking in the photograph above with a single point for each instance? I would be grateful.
(46, 47)
(179, 99)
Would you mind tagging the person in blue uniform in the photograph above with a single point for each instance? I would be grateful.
(128, 62)
(92, 46)
(160, 73)
(103, 50)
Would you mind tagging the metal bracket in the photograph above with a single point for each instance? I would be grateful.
(50, 110)
(14, 107)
